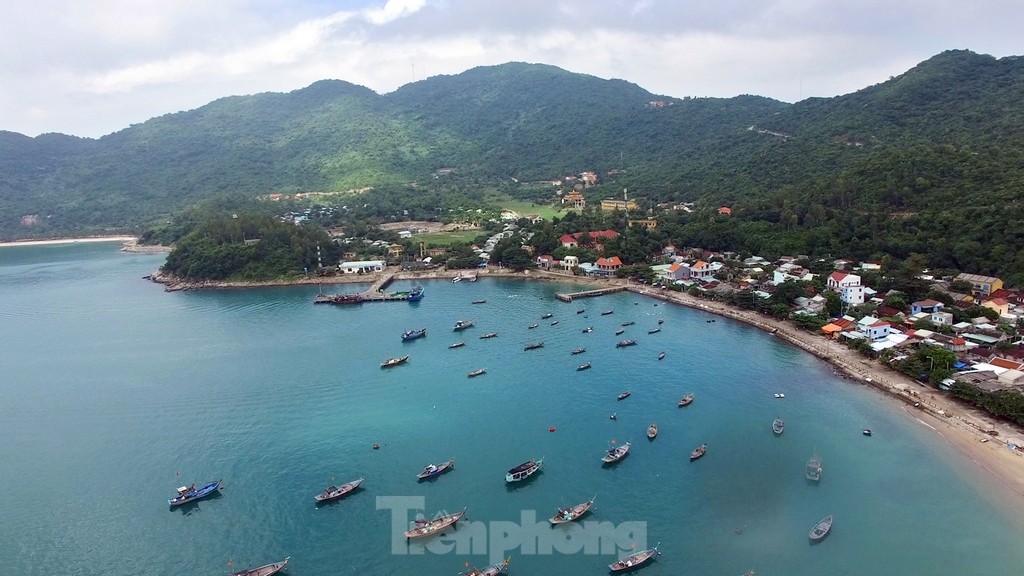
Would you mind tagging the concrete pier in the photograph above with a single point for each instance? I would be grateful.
(570, 296)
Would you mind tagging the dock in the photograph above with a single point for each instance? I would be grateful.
(570, 296)
(374, 293)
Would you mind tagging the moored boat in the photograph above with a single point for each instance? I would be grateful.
(334, 492)
(588, 329)
(338, 299)
(634, 561)
(435, 526)
(821, 529)
(476, 373)
(488, 335)
(394, 361)
(265, 570)
(579, 351)
(654, 330)
(554, 322)
(867, 432)
(584, 366)
(434, 470)
(630, 323)
(813, 470)
(581, 310)
(416, 294)
(778, 426)
(524, 470)
(624, 394)
(698, 451)
(462, 325)
(532, 326)
(188, 494)
(620, 331)
(563, 515)
(479, 301)
(492, 570)
(413, 334)
(686, 400)
(615, 454)
(661, 320)
(607, 312)
(457, 345)
(624, 343)
(652, 431)
(546, 316)
(661, 356)
(534, 346)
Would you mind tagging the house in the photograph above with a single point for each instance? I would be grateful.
(983, 285)
(677, 272)
(813, 305)
(597, 237)
(872, 328)
(928, 306)
(568, 241)
(546, 261)
(725, 211)
(998, 304)
(608, 266)
(649, 223)
(791, 271)
(362, 266)
(669, 250)
(610, 204)
(957, 344)
(848, 286)
(574, 199)
(395, 250)
(701, 270)
(570, 262)
(942, 318)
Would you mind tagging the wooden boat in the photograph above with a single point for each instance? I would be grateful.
(581, 310)
(588, 329)
(393, 362)
(524, 470)
(492, 570)
(534, 346)
(462, 325)
(624, 343)
(613, 455)
(698, 452)
(532, 326)
(435, 470)
(778, 426)
(584, 366)
(479, 301)
(654, 330)
(188, 494)
(813, 469)
(335, 492)
(661, 356)
(634, 561)
(821, 529)
(266, 570)
(564, 515)
(414, 334)
(623, 395)
(554, 322)
(546, 316)
(579, 351)
(435, 526)
(488, 335)
(476, 373)
(630, 323)
(607, 312)
(652, 431)
(620, 331)
(686, 400)
(457, 345)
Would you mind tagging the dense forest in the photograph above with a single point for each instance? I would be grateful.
(930, 162)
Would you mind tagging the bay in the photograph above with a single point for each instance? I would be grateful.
(113, 393)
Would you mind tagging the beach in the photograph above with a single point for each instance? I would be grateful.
(55, 241)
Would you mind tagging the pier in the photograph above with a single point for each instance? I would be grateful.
(570, 296)
(374, 293)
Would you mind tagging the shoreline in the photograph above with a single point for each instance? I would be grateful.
(81, 240)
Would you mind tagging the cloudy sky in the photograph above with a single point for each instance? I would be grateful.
(92, 68)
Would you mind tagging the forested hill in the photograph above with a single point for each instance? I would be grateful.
(942, 135)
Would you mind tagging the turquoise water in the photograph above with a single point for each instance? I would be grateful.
(113, 393)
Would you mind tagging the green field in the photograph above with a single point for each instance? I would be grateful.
(447, 238)
(526, 208)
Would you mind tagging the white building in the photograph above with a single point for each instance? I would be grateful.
(848, 286)
(873, 328)
(362, 266)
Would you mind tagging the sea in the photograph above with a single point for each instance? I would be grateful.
(113, 393)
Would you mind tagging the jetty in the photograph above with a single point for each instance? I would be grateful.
(570, 296)
(374, 293)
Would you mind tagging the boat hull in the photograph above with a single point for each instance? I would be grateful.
(266, 570)
(330, 495)
(200, 493)
(523, 471)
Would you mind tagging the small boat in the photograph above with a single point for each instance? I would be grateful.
(462, 325)
(661, 356)
(579, 351)
(188, 494)
(624, 395)
(492, 570)
(813, 470)
(564, 515)
(698, 452)
(588, 329)
(393, 362)
(654, 330)
(413, 334)
(581, 311)
(778, 426)
(620, 331)
(524, 470)
(630, 323)
(614, 416)
(457, 279)
(457, 345)
(534, 346)
(435, 526)
(435, 470)
(867, 432)
(624, 343)
(334, 492)
(584, 366)
(546, 316)
(652, 431)
(488, 335)
(685, 401)
(479, 301)
(821, 529)
(634, 561)
(266, 570)
(416, 294)
(554, 323)
(607, 312)
(661, 320)
(532, 326)
(476, 373)
(780, 395)
(615, 454)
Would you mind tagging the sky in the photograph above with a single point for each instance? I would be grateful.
(93, 68)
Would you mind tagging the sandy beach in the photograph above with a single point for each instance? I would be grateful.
(53, 241)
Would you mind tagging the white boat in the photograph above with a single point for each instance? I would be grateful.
(615, 454)
(813, 471)
(524, 470)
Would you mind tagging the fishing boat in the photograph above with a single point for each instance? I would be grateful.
(492, 570)
(620, 331)
(564, 515)
(532, 326)
(661, 356)
(416, 294)
(488, 335)
(661, 320)
(607, 312)
(821, 529)
(581, 310)
(413, 334)
(462, 325)
(630, 323)
(654, 330)
(624, 343)
(524, 470)
(334, 492)
(579, 351)
(457, 345)
(698, 452)
(813, 470)
(534, 346)
(634, 561)
(476, 373)
(479, 301)
(652, 431)
(188, 494)
(584, 366)
(423, 529)
(394, 362)
(615, 454)
(624, 395)
(778, 426)
(435, 470)
(686, 400)
(867, 432)
(588, 329)
(266, 570)
(546, 316)
(554, 322)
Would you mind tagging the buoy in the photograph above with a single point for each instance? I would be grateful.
(551, 428)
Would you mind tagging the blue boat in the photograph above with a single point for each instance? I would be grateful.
(414, 334)
(416, 294)
(188, 494)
